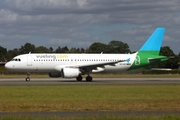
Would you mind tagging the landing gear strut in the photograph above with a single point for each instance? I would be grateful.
(28, 77)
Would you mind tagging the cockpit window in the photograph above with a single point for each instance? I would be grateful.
(16, 59)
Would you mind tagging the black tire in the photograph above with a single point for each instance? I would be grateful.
(79, 78)
(28, 79)
(89, 79)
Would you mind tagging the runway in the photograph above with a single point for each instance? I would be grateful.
(96, 81)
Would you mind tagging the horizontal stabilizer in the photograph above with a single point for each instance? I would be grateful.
(154, 59)
(163, 58)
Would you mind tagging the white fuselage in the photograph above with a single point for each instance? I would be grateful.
(55, 62)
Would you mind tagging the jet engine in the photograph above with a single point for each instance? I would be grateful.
(55, 74)
(70, 72)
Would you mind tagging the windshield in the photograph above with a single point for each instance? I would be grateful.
(16, 59)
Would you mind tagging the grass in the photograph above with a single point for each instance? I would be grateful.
(90, 98)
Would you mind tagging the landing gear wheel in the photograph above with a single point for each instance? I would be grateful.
(28, 79)
(79, 78)
(88, 78)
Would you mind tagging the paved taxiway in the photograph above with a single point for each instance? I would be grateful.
(96, 81)
(91, 113)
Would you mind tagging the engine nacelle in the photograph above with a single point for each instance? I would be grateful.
(70, 72)
(55, 74)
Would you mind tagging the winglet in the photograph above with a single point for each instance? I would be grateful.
(155, 41)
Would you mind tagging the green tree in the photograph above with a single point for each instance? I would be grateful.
(41, 49)
(3, 52)
(73, 50)
(82, 50)
(65, 49)
(118, 47)
(98, 47)
(12, 53)
(51, 50)
(172, 62)
(58, 50)
(28, 47)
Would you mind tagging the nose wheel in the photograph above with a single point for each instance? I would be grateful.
(28, 77)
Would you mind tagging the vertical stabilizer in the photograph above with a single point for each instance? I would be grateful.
(153, 44)
(149, 52)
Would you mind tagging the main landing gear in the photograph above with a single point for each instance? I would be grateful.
(88, 78)
(28, 77)
(79, 78)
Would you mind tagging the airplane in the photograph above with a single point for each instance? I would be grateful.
(76, 65)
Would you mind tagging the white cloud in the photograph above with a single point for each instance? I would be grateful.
(7, 16)
(81, 2)
(73, 22)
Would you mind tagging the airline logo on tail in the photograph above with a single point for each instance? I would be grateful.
(137, 60)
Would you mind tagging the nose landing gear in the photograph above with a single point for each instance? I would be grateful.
(28, 77)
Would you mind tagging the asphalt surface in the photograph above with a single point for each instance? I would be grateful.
(91, 113)
(96, 81)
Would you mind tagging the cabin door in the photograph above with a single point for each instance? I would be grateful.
(29, 60)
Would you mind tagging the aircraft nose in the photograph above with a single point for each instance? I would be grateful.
(8, 66)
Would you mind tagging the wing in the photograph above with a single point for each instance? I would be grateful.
(97, 67)
(91, 67)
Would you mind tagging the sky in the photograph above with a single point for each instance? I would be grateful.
(79, 23)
